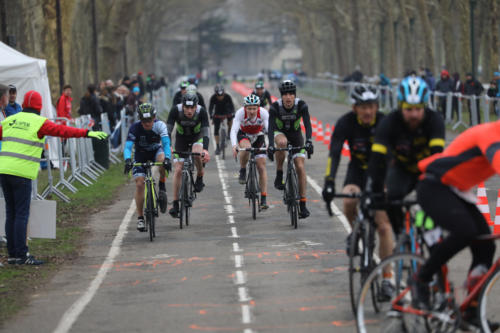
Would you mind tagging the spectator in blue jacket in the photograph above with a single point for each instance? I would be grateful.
(12, 107)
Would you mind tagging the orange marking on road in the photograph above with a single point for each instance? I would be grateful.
(207, 277)
(136, 282)
(297, 257)
(252, 303)
(184, 279)
(312, 308)
(203, 312)
(213, 329)
(342, 323)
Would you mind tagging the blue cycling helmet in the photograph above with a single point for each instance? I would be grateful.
(413, 90)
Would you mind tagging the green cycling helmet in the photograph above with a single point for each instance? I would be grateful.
(146, 111)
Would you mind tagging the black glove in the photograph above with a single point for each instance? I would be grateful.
(328, 190)
(373, 200)
(128, 166)
(167, 165)
(270, 152)
(309, 147)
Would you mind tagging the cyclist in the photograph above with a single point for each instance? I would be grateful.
(152, 143)
(284, 127)
(358, 128)
(184, 87)
(263, 94)
(411, 133)
(445, 194)
(220, 107)
(249, 125)
(192, 129)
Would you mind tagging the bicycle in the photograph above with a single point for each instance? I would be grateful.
(252, 187)
(186, 192)
(291, 195)
(150, 197)
(445, 313)
(224, 133)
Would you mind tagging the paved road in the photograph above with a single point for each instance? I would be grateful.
(223, 273)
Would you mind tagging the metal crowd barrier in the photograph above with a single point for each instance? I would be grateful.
(77, 154)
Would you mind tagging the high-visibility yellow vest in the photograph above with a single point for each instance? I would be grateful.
(21, 147)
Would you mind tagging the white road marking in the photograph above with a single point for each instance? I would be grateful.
(245, 314)
(72, 314)
(234, 233)
(248, 330)
(243, 294)
(240, 277)
(229, 209)
(164, 256)
(230, 219)
(228, 199)
(334, 207)
(238, 261)
(236, 247)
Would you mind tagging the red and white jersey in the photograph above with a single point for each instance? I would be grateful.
(251, 126)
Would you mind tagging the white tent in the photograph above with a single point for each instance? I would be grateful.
(26, 73)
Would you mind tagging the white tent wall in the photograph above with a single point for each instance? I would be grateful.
(28, 73)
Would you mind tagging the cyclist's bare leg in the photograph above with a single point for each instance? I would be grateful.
(229, 124)
(198, 148)
(139, 195)
(216, 139)
(385, 234)
(350, 204)
(280, 142)
(244, 155)
(301, 174)
(160, 158)
(177, 179)
(261, 167)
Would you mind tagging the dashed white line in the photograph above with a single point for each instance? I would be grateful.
(238, 261)
(240, 277)
(72, 314)
(243, 294)
(236, 247)
(230, 219)
(229, 209)
(245, 314)
(234, 233)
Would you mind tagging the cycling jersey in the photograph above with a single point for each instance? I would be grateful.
(469, 160)
(189, 127)
(251, 127)
(287, 122)
(265, 99)
(406, 146)
(222, 107)
(359, 137)
(147, 142)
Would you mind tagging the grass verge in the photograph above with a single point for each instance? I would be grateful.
(18, 282)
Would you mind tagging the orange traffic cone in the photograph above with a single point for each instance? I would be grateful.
(496, 225)
(319, 134)
(482, 203)
(328, 135)
(314, 125)
(345, 150)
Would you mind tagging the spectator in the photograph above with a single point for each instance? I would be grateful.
(105, 99)
(493, 93)
(356, 76)
(102, 86)
(444, 86)
(19, 164)
(63, 105)
(458, 88)
(4, 100)
(133, 101)
(140, 81)
(109, 83)
(89, 104)
(127, 82)
(386, 85)
(12, 107)
(473, 88)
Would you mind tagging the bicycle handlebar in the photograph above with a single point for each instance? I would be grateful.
(251, 149)
(289, 148)
(147, 164)
(188, 153)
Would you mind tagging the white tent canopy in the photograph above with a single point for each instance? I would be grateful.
(26, 73)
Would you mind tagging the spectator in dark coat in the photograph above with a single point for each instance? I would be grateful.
(473, 87)
(458, 88)
(89, 104)
(444, 86)
(493, 93)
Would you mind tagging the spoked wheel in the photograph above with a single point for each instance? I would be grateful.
(489, 307)
(223, 143)
(150, 215)
(187, 204)
(182, 199)
(294, 213)
(356, 248)
(371, 319)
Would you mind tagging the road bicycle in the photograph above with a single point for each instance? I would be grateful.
(445, 313)
(150, 198)
(186, 191)
(252, 187)
(291, 195)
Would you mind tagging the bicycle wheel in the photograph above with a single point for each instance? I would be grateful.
(488, 310)
(402, 268)
(223, 143)
(356, 254)
(182, 199)
(252, 192)
(294, 194)
(150, 212)
(188, 203)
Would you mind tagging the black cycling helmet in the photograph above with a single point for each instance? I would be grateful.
(190, 99)
(288, 86)
(362, 94)
(146, 111)
(12, 88)
(219, 89)
(259, 85)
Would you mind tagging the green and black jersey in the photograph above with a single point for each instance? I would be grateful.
(198, 125)
(288, 121)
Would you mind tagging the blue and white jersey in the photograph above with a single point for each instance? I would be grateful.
(147, 141)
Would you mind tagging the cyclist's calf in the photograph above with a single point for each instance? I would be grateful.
(350, 204)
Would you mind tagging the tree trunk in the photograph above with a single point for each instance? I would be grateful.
(450, 60)
(406, 37)
(494, 60)
(427, 34)
(465, 61)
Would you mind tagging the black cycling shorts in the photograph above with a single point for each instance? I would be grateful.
(218, 120)
(182, 143)
(296, 139)
(355, 176)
